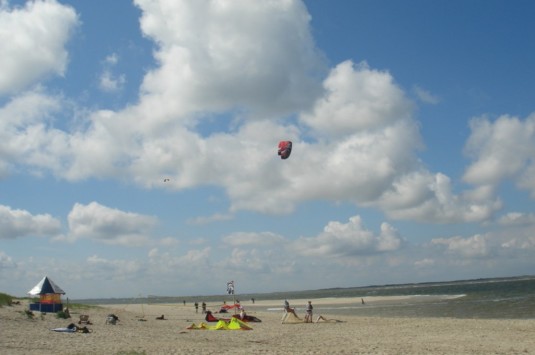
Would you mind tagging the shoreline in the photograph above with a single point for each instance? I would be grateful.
(327, 305)
(301, 301)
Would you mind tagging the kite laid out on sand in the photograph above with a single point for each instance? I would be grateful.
(245, 318)
(232, 324)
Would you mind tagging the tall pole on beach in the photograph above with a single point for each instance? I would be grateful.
(234, 297)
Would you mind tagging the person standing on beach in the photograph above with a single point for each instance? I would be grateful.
(196, 307)
(203, 308)
(308, 316)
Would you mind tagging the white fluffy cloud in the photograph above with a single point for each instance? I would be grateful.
(15, 223)
(230, 79)
(502, 149)
(357, 99)
(349, 240)
(517, 219)
(219, 55)
(245, 67)
(32, 42)
(475, 246)
(109, 225)
(27, 136)
(422, 196)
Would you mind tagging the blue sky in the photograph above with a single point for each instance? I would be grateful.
(413, 127)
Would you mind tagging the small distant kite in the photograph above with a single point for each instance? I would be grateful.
(285, 149)
(166, 180)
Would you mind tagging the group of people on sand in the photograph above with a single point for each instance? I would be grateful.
(309, 310)
(242, 315)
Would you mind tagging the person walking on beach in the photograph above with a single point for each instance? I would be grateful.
(203, 308)
(196, 307)
(308, 316)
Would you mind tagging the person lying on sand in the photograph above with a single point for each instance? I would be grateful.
(73, 328)
(320, 317)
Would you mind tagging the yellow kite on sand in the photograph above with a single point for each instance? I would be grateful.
(232, 324)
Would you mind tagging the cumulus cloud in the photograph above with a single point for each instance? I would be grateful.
(15, 223)
(526, 243)
(108, 225)
(355, 137)
(502, 149)
(357, 98)
(426, 197)
(27, 136)
(32, 42)
(517, 219)
(471, 247)
(218, 55)
(349, 240)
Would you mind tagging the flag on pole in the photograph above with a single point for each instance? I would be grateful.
(230, 287)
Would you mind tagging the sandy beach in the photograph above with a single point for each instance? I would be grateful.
(139, 332)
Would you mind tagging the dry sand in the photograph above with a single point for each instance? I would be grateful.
(354, 335)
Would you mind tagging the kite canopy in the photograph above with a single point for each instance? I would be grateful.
(46, 286)
(285, 149)
(233, 324)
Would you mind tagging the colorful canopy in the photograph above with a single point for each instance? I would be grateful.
(46, 286)
(285, 149)
(233, 324)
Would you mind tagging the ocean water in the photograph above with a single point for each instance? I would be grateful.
(499, 298)
(509, 298)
